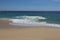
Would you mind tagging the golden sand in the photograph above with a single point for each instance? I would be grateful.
(30, 34)
(4, 21)
(40, 33)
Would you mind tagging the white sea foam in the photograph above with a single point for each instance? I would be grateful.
(27, 19)
(31, 21)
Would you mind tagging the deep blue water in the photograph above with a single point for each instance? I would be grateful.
(52, 16)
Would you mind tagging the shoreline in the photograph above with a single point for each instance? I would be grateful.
(5, 23)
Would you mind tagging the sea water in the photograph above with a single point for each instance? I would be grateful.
(32, 18)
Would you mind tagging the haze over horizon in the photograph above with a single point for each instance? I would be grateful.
(29, 5)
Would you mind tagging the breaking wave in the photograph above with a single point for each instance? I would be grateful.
(31, 21)
(28, 19)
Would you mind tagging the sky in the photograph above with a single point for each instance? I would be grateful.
(29, 5)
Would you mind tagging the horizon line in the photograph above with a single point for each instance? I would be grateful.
(15, 10)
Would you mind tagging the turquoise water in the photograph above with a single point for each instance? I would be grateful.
(51, 16)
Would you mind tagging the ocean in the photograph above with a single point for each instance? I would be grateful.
(50, 18)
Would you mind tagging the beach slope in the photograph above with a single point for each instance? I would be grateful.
(33, 33)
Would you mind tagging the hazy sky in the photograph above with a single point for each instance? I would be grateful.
(30, 5)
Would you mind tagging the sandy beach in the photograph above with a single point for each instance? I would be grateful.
(9, 32)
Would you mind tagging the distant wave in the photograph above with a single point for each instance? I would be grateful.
(30, 17)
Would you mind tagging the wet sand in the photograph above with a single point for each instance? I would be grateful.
(9, 32)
